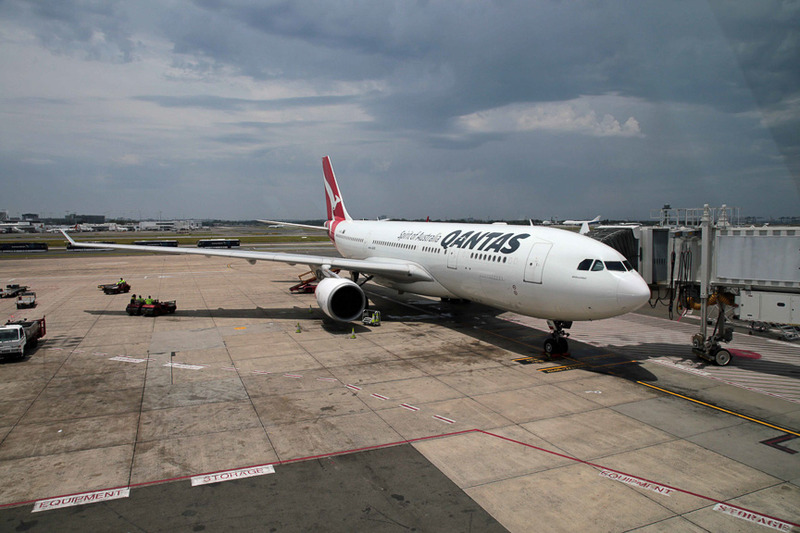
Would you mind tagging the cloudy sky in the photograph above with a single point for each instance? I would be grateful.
(506, 109)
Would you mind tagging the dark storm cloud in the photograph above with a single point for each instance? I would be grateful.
(765, 37)
(442, 60)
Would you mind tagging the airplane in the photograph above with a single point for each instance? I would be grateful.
(17, 227)
(584, 224)
(595, 220)
(536, 271)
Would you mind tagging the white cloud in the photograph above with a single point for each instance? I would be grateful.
(569, 117)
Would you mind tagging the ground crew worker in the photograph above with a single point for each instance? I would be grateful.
(121, 281)
(148, 300)
(133, 299)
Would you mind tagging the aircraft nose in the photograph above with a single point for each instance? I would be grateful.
(632, 292)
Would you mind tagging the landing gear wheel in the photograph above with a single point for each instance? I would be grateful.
(722, 357)
(550, 347)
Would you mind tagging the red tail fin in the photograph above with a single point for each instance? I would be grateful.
(333, 198)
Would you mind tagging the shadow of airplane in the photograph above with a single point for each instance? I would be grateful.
(299, 314)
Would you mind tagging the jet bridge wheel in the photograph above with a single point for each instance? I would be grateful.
(722, 357)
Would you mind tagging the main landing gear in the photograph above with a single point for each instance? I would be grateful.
(556, 343)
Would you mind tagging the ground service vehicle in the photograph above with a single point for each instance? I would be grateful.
(26, 300)
(115, 288)
(19, 336)
(371, 318)
(217, 243)
(12, 290)
(155, 308)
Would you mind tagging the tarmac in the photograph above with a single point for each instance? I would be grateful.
(248, 409)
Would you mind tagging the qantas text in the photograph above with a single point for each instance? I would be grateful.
(486, 241)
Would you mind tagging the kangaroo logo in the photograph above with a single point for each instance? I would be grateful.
(332, 199)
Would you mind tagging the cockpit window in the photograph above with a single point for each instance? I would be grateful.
(585, 264)
(627, 265)
(597, 266)
(616, 266)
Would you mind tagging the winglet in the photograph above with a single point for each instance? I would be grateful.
(333, 198)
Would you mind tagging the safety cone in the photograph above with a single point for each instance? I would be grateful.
(353, 333)
(298, 327)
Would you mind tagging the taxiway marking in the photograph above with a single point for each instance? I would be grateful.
(756, 518)
(734, 413)
(229, 475)
(81, 499)
(776, 443)
(733, 510)
(637, 482)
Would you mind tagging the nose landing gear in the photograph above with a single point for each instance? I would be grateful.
(556, 343)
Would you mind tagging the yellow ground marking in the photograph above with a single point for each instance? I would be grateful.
(757, 421)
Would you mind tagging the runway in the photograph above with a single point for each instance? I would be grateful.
(444, 418)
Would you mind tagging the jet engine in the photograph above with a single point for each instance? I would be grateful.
(341, 299)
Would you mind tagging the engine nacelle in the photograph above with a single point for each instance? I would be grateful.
(341, 299)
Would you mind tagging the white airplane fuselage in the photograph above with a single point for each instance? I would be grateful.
(530, 270)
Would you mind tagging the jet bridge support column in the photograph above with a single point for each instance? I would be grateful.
(705, 270)
(703, 345)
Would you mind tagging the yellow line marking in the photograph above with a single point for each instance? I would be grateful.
(561, 368)
(721, 409)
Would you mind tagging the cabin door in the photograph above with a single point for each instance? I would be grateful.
(535, 263)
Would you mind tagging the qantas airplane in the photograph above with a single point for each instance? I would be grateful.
(541, 272)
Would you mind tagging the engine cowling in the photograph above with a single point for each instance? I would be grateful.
(341, 299)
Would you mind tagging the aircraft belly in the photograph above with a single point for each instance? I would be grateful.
(424, 288)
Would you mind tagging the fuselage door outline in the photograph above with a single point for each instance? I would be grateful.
(534, 266)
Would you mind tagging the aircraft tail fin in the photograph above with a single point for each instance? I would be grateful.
(333, 198)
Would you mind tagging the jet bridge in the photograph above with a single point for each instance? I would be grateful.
(696, 258)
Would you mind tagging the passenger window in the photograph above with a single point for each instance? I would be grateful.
(597, 266)
(616, 266)
(585, 264)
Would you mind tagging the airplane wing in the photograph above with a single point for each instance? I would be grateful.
(307, 226)
(388, 268)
